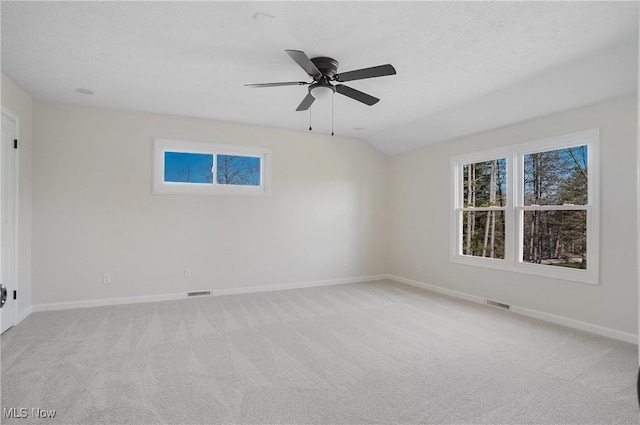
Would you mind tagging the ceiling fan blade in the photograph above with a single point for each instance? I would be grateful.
(357, 95)
(305, 63)
(361, 74)
(306, 102)
(291, 83)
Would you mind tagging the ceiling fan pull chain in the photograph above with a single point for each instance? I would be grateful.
(309, 119)
(332, 96)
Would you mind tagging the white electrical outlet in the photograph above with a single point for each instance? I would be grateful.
(187, 272)
(106, 278)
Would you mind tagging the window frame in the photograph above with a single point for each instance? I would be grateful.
(514, 207)
(162, 145)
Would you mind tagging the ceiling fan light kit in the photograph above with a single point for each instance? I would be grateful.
(323, 70)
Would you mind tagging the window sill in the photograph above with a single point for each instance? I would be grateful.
(553, 272)
(207, 189)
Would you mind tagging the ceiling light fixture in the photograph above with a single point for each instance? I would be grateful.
(321, 91)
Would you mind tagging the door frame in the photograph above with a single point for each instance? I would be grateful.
(16, 221)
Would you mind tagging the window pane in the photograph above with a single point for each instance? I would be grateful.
(556, 238)
(483, 233)
(484, 183)
(238, 170)
(186, 167)
(556, 177)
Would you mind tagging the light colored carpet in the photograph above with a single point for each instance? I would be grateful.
(366, 353)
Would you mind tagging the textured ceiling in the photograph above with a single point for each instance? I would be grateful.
(462, 67)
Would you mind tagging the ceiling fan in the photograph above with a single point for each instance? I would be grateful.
(324, 70)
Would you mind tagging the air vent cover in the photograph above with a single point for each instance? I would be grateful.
(499, 305)
(199, 294)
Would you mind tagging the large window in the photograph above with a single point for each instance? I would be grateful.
(531, 208)
(188, 167)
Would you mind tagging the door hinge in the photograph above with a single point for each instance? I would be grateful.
(15, 295)
(15, 143)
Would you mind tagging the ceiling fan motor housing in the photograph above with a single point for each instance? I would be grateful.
(327, 66)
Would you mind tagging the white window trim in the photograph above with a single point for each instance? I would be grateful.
(160, 146)
(515, 207)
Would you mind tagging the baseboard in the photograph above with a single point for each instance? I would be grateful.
(298, 285)
(577, 324)
(438, 289)
(108, 301)
(547, 317)
(183, 295)
(20, 317)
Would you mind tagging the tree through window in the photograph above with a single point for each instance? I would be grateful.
(238, 170)
(531, 208)
(558, 236)
(484, 198)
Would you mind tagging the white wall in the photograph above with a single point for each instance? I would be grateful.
(420, 215)
(94, 211)
(20, 104)
(333, 199)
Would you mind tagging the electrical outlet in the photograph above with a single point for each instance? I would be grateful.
(187, 272)
(106, 278)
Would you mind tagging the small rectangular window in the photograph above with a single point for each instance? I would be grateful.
(189, 167)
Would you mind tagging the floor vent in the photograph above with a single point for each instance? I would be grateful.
(199, 294)
(499, 305)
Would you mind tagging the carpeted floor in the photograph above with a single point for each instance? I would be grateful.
(366, 353)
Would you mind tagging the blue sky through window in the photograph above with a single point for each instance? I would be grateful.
(187, 167)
